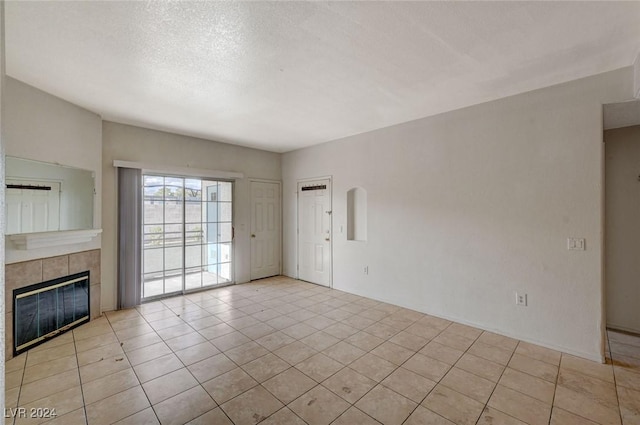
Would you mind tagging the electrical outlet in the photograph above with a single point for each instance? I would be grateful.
(366, 269)
(521, 299)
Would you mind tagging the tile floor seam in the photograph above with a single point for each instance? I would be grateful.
(390, 389)
(486, 405)
(84, 404)
(624, 344)
(219, 406)
(285, 405)
(534, 376)
(439, 382)
(399, 366)
(615, 385)
(396, 368)
(137, 378)
(361, 397)
(578, 415)
(633, 355)
(459, 358)
(555, 389)
(353, 406)
(24, 370)
(259, 384)
(344, 366)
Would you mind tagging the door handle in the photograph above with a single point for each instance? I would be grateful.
(253, 236)
(326, 239)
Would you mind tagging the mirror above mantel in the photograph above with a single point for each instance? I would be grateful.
(48, 204)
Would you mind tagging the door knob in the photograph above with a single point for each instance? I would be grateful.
(253, 236)
(326, 239)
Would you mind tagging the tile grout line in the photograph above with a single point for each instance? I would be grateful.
(389, 374)
(486, 405)
(24, 372)
(434, 387)
(615, 385)
(186, 367)
(152, 406)
(321, 352)
(451, 367)
(84, 404)
(134, 372)
(555, 389)
(344, 366)
(199, 384)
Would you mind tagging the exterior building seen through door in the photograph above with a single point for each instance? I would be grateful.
(265, 229)
(187, 234)
(314, 231)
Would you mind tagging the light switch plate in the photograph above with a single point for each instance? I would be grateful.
(576, 244)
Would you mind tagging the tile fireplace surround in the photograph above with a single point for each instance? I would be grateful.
(19, 275)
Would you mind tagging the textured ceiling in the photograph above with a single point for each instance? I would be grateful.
(284, 75)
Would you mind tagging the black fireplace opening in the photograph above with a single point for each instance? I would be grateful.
(48, 309)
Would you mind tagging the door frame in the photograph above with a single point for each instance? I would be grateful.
(306, 180)
(280, 251)
(185, 291)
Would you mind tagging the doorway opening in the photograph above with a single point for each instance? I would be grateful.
(621, 123)
(187, 234)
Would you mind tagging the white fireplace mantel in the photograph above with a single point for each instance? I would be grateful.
(37, 240)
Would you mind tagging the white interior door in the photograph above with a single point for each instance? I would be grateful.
(265, 229)
(314, 231)
(32, 210)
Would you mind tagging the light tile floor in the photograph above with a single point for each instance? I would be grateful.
(280, 351)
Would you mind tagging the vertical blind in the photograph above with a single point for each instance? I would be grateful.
(129, 237)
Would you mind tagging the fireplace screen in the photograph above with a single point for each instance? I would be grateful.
(45, 310)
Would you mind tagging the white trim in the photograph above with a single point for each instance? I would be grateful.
(307, 179)
(36, 240)
(615, 327)
(178, 171)
(254, 179)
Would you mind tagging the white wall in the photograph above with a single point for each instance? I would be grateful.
(45, 128)
(622, 229)
(128, 143)
(467, 207)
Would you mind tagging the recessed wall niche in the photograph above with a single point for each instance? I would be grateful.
(357, 214)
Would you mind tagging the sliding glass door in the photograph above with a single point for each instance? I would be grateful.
(187, 234)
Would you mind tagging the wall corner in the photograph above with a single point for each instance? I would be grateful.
(636, 77)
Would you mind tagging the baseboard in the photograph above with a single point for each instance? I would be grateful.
(596, 357)
(615, 327)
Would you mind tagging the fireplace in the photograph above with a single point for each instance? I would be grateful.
(45, 310)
